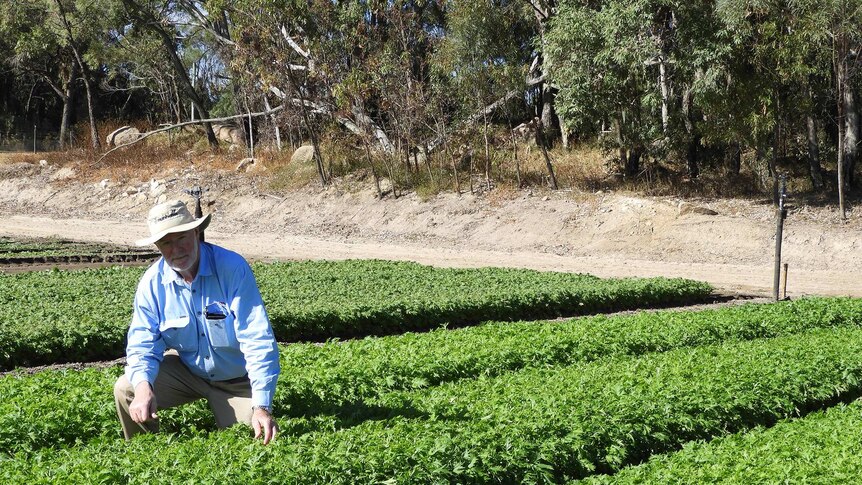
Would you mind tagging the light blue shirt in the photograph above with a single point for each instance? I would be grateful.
(217, 324)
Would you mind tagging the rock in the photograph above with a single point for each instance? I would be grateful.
(156, 187)
(161, 189)
(122, 135)
(104, 183)
(688, 208)
(43, 163)
(229, 133)
(255, 168)
(64, 173)
(303, 155)
(244, 164)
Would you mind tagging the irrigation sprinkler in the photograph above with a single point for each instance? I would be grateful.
(780, 215)
(197, 193)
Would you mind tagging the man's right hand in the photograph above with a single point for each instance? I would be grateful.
(143, 407)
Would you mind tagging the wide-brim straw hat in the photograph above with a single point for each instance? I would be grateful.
(169, 217)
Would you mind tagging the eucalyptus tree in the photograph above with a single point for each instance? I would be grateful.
(162, 18)
(80, 25)
(795, 45)
(53, 44)
(599, 55)
(777, 43)
(840, 23)
(485, 54)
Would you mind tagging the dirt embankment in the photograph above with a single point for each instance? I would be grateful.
(729, 243)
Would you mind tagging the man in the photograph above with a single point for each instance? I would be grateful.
(199, 331)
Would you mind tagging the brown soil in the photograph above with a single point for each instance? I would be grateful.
(727, 242)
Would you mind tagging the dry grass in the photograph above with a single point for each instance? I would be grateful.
(582, 170)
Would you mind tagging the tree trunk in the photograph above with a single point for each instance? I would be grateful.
(665, 93)
(543, 11)
(548, 114)
(318, 158)
(693, 149)
(633, 162)
(540, 140)
(814, 169)
(517, 162)
(94, 135)
(851, 135)
(68, 108)
(274, 122)
(840, 51)
(442, 129)
(222, 27)
(373, 170)
(692, 157)
(487, 154)
(735, 158)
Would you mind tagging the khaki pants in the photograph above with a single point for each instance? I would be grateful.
(230, 400)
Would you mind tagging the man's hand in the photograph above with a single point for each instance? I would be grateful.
(264, 425)
(143, 406)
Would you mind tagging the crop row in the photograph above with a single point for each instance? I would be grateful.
(12, 250)
(823, 447)
(538, 425)
(62, 408)
(61, 316)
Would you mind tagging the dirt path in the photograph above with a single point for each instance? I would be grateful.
(726, 242)
(752, 279)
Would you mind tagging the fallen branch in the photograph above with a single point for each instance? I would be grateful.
(187, 123)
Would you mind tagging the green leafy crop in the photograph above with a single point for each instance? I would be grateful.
(66, 316)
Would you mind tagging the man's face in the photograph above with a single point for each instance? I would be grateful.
(180, 250)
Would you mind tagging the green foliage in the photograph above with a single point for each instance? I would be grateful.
(334, 386)
(538, 425)
(57, 316)
(13, 250)
(322, 299)
(821, 447)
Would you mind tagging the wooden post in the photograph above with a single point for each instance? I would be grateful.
(780, 215)
(784, 283)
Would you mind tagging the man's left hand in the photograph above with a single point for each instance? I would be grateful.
(264, 425)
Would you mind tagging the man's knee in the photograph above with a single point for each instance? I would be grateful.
(123, 389)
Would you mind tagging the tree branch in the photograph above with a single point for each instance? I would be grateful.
(187, 123)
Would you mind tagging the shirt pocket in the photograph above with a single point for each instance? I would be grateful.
(179, 334)
(220, 326)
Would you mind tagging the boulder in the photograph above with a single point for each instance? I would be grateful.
(123, 135)
(244, 164)
(688, 208)
(303, 155)
(230, 133)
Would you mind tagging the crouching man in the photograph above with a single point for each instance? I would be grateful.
(199, 331)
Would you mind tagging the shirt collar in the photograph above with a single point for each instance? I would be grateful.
(204, 267)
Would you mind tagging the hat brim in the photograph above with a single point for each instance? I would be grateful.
(202, 223)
